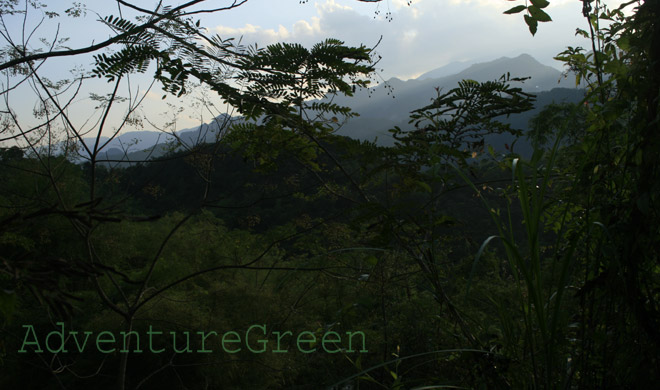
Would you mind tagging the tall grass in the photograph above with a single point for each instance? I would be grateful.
(539, 288)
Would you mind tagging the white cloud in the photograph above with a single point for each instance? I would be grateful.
(428, 34)
(409, 35)
(331, 6)
(226, 31)
(305, 28)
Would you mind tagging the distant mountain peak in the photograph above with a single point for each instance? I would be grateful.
(445, 70)
(527, 59)
(380, 112)
(514, 64)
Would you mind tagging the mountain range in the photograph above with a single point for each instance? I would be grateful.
(388, 104)
(144, 144)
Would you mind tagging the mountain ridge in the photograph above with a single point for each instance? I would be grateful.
(381, 107)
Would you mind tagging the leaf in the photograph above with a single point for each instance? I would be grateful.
(444, 220)
(581, 32)
(540, 3)
(538, 14)
(491, 151)
(515, 10)
(424, 186)
(643, 203)
(476, 261)
(623, 43)
(371, 260)
(8, 300)
(532, 23)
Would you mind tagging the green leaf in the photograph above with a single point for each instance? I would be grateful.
(8, 302)
(476, 261)
(369, 379)
(371, 260)
(623, 43)
(491, 151)
(532, 23)
(444, 220)
(515, 10)
(643, 203)
(582, 32)
(424, 186)
(539, 14)
(540, 3)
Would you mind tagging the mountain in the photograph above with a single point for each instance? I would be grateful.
(389, 104)
(543, 77)
(447, 70)
(384, 106)
(130, 142)
(145, 144)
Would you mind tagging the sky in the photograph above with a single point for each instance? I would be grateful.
(419, 37)
(415, 37)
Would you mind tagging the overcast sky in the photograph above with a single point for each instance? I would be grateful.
(419, 37)
(416, 37)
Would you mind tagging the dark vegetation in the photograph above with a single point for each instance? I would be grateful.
(463, 266)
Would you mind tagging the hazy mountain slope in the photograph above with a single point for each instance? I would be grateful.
(543, 77)
(141, 145)
(376, 128)
(446, 70)
(386, 105)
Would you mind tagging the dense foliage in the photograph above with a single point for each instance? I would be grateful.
(461, 267)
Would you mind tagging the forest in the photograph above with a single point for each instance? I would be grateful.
(274, 253)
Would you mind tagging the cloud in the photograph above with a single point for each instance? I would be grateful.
(331, 6)
(304, 28)
(255, 34)
(427, 34)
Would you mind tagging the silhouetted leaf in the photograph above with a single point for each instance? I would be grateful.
(515, 10)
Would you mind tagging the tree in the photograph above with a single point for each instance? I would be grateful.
(269, 87)
(534, 13)
(585, 207)
(616, 177)
(569, 300)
